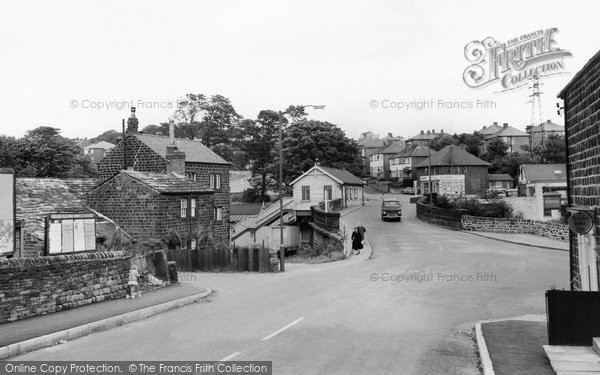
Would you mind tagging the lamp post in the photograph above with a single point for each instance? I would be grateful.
(429, 171)
(281, 117)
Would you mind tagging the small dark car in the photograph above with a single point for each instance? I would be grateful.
(391, 209)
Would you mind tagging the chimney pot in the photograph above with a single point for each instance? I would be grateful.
(505, 125)
(442, 131)
(172, 131)
(547, 120)
(132, 123)
(422, 131)
(495, 122)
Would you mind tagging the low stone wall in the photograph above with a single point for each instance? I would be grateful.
(41, 285)
(499, 225)
(443, 217)
(323, 237)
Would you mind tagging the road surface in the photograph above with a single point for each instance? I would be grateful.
(409, 310)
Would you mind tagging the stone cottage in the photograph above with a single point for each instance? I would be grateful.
(185, 157)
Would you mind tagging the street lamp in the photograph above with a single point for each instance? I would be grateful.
(281, 117)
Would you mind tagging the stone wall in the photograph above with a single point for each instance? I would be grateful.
(439, 216)
(500, 225)
(41, 285)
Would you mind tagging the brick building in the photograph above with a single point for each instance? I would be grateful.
(454, 171)
(158, 206)
(582, 133)
(161, 154)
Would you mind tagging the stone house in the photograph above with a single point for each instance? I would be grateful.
(159, 206)
(186, 157)
(454, 171)
(582, 133)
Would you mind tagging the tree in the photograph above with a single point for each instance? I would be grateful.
(308, 141)
(441, 141)
(111, 136)
(496, 149)
(9, 152)
(471, 142)
(260, 144)
(48, 153)
(554, 150)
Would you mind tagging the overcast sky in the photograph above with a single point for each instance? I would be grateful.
(61, 58)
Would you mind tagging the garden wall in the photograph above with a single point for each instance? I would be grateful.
(500, 225)
(443, 217)
(40, 285)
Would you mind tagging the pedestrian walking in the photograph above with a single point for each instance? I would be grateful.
(356, 241)
(362, 231)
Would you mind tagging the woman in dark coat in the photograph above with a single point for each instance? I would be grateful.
(356, 241)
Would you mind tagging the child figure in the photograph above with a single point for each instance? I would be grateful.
(133, 282)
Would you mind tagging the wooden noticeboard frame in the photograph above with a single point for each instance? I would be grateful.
(8, 211)
(70, 233)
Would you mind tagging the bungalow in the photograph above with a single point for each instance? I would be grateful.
(453, 171)
(320, 184)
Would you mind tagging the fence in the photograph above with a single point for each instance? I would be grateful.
(329, 221)
(237, 259)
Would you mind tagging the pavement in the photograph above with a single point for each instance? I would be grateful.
(524, 239)
(514, 346)
(21, 336)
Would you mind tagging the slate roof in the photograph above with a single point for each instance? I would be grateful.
(547, 126)
(415, 151)
(102, 144)
(490, 130)
(509, 131)
(453, 155)
(393, 148)
(167, 183)
(372, 143)
(38, 197)
(544, 172)
(425, 136)
(195, 151)
(341, 175)
(500, 177)
(245, 208)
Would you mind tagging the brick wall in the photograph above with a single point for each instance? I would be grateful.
(37, 286)
(501, 225)
(582, 129)
(148, 215)
(439, 216)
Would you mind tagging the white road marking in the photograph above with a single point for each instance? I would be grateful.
(283, 329)
(232, 355)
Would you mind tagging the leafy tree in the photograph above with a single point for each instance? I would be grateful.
(48, 153)
(554, 150)
(471, 142)
(111, 136)
(9, 152)
(308, 141)
(260, 145)
(441, 141)
(496, 149)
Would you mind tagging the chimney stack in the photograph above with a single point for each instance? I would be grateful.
(422, 131)
(132, 123)
(505, 125)
(495, 122)
(441, 131)
(172, 131)
(428, 132)
(548, 121)
(432, 131)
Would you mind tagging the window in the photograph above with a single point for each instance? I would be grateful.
(355, 193)
(192, 176)
(305, 193)
(327, 192)
(193, 243)
(215, 181)
(218, 213)
(193, 207)
(184, 205)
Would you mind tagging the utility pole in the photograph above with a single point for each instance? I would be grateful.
(429, 171)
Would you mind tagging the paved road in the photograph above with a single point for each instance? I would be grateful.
(349, 317)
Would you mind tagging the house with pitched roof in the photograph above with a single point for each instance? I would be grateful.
(96, 151)
(166, 207)
(454, 171)
(380, 160)
(501, 182)
(424, 137)
(402, 164)
(490, 130)
(540, 133)
(169, 155)
(368, 147)
(514, 138)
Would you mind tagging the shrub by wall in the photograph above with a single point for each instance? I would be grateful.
(41, 285)
(499, 225)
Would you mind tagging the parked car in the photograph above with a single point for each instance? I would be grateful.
(408, 190)
(391, 209)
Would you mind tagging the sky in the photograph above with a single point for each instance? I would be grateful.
(80, 65)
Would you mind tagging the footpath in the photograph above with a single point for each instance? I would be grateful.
(25, 335)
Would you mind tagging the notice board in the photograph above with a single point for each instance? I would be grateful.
(70, 233)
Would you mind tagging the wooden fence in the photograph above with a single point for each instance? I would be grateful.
(237, 259)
